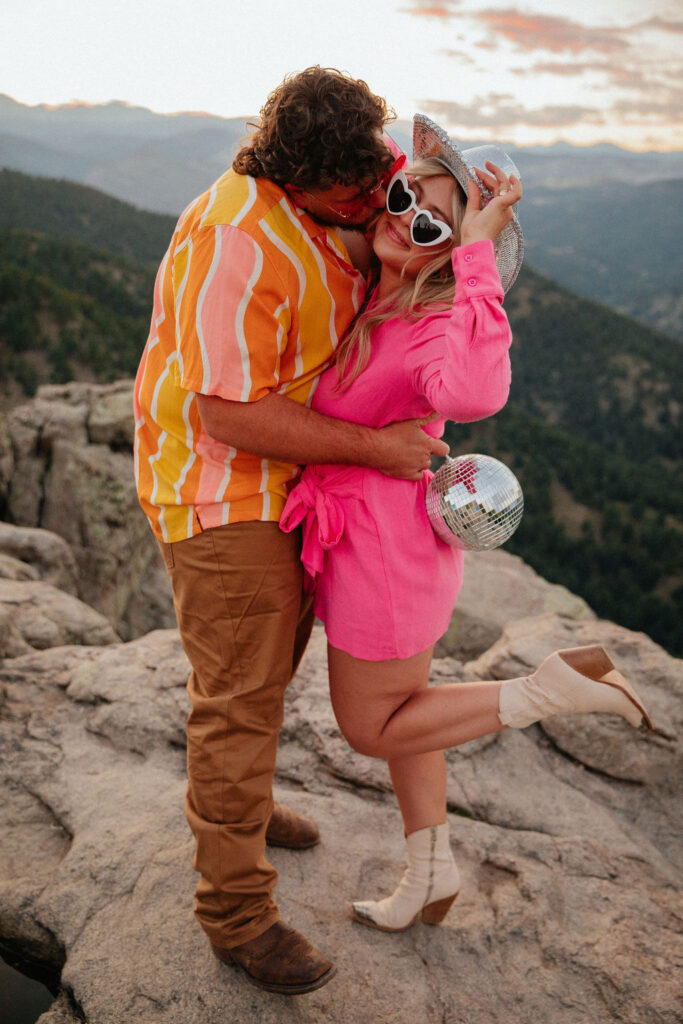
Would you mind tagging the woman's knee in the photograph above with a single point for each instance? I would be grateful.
(360, 738)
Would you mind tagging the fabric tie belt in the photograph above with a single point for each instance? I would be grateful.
(315, 503)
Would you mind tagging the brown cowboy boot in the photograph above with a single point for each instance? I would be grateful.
(280, 960)
(286, 828)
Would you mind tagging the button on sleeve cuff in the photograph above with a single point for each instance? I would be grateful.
(476, 273)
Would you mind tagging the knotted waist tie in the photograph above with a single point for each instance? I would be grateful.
(315, 503)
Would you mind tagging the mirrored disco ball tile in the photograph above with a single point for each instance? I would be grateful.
(474, 502)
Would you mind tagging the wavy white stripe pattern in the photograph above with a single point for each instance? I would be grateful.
(320, 263)
(152, 462)
(161, 275)
(139, 424)
(178, 304)
(223, 485)
(264, 488)
(189, 442)
(314, 388)
(359, 284)
(153, 459)
(162, 523)
(152, 342)
(153, 408)
(239, 322)
(301, 274)
(217, 247)
(182, 245)
(280, 336)
(212, 200)
(251, 199)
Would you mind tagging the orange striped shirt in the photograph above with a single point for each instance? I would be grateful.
(251, 297)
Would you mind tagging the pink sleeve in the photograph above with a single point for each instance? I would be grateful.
(460, 361)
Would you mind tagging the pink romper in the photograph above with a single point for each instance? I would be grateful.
(384, 583)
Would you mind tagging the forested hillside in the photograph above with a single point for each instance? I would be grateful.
(592, 428)
(67, 312)
(581, 366)
(605, 526)
(81, 214)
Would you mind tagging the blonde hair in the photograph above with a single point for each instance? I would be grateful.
(432, 289)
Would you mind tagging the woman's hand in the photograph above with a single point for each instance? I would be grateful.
(487, 222)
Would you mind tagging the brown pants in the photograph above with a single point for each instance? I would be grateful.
(244, 625)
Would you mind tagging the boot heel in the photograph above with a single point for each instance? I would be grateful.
(595, 663)
(435, 912)
(592, 661)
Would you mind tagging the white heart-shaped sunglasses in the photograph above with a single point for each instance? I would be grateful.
(424, 229)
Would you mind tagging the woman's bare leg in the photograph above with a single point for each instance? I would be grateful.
(419, 782)
(385, 709)
(420, 785)
(367, 697)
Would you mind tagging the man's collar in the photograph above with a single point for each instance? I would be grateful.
(313, 227)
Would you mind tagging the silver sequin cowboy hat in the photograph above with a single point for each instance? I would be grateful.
(431, 141)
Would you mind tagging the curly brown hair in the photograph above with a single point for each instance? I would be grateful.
(318, 129)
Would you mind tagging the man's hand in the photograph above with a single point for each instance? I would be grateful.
(405, 450)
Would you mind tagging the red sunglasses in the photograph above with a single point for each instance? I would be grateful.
(347, 208)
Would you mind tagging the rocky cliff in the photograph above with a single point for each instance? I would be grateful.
(565, 833)
(66, 466)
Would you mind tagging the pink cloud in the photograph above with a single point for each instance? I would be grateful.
(565, 69)
(496, 111)
(666, 108)
(625, 76)
(424, 9)
(529, 31)
(548, 32)
(460, 55)
(662, 24)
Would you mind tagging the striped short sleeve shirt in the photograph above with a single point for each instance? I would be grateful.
(251, 297)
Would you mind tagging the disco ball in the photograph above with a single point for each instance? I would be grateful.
(474, 502)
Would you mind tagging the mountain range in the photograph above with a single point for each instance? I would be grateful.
(601, 220)
(618, 245)
(125, 151)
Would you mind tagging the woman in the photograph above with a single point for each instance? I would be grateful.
(433, 342)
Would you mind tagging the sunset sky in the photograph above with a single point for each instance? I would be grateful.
(611, 70)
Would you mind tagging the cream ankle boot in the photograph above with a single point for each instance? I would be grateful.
(578, 680)
(428, 887)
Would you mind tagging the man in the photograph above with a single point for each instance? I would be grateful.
(250, 301)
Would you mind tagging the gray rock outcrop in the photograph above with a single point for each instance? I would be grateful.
(33, 554)
(566, 832)
(566, 841)
(499, 588)
(38, 615)
(38, 609)
(66, 466)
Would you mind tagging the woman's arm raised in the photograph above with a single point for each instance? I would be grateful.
(461, 361)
